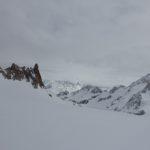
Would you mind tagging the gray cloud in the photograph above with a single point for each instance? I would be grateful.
(97, 41)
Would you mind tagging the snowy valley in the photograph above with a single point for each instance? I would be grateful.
(31, 120)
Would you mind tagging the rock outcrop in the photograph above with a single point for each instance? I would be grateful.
(15, 72)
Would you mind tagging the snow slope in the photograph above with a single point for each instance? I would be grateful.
(134, 98)
(30, 120)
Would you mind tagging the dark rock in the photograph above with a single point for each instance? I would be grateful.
(141, 112)
(63, 93)
(109, 97)
(114, 89)
(38, 79)
(147, 88)
(118, 98)
(92, 89)
(83, 102)
(105, 98)
(134, 102)
(94, 96)
(50, 95)
(96, 90)
(87, 88)
(101, 99)
(15, 72)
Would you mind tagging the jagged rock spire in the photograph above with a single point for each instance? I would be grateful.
(15, 72)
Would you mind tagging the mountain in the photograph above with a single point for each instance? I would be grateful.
(134, 99)
(62, 86)
(15, 72)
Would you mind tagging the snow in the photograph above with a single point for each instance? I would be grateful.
(31, 120)
(134, 98)
(61, 86)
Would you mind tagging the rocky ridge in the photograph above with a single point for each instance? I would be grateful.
(15, 72)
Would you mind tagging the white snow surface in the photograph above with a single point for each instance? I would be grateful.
(61, 86)
(31, 120)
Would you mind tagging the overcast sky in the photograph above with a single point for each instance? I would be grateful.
(103, 42)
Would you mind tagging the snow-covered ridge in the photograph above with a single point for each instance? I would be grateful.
(134, 98)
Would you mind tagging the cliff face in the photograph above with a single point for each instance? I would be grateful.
(15, 72)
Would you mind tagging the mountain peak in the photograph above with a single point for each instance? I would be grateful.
(15, 72)
(143, 80)
(146, 78)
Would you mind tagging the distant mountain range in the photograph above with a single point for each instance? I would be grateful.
(134, 99)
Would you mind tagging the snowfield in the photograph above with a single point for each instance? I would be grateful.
(31, 120)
